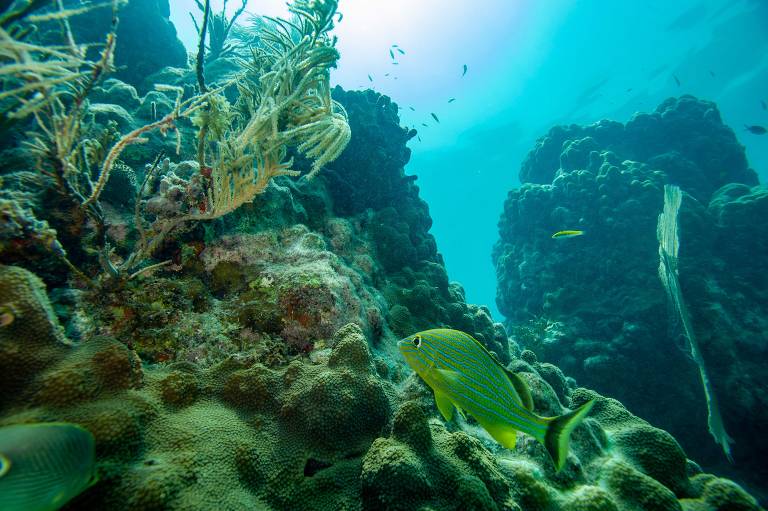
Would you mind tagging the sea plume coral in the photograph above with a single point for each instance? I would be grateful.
(283, 103)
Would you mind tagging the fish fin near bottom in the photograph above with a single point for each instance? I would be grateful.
(505, 435)
(445, 405)
(558, 434)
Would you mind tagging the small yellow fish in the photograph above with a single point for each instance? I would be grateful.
(465, 376)
(567, 234)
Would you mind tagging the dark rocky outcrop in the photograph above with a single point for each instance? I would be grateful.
(603, 314)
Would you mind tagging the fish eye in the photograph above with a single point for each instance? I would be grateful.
(417, 341)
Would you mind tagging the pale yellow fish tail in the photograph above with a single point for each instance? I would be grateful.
(558, 434)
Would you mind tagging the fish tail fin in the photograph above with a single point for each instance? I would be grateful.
(558, 434)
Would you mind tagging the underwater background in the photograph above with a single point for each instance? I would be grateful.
(532, 65)
(209, 252)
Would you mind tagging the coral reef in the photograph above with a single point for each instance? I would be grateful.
(599, 295)
(282, 102)
(231, 331)
(684, 137)
(330, 435)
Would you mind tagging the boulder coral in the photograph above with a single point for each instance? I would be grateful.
(327, 435)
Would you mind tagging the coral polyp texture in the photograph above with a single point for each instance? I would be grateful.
(330, 434)
(603, 314)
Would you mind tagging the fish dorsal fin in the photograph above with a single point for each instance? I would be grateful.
(444, 404)
(5, 465)
(521, 388)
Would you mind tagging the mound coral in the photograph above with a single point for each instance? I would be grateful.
(326, 435)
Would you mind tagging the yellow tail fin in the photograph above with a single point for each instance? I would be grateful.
(559, 430)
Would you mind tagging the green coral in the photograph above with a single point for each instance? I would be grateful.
(422, 466)
(656, 453)
(179, 388)
(323, 436)
(31, 338)
(716, 494)
(636, 489)
(590, 498)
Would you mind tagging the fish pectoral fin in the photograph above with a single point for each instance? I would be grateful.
(505, 435)
(446, 376)
(445, 405)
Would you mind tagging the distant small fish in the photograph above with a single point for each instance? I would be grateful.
(413, 109)
(392, 54)
(400, 51)
(395, 46)
(43, 466)
(757, 130)
(711, 73)
(677, 80)
(629, 90)
(567, 234)
(451, 100)
(425, 124)
(370, 78)
(395, 63)
(386, 74)
(762, 103)
(418, 138)
(465, 70)
(434, 117)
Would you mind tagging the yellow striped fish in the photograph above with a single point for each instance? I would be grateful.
(567, 234)
(464, 375)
